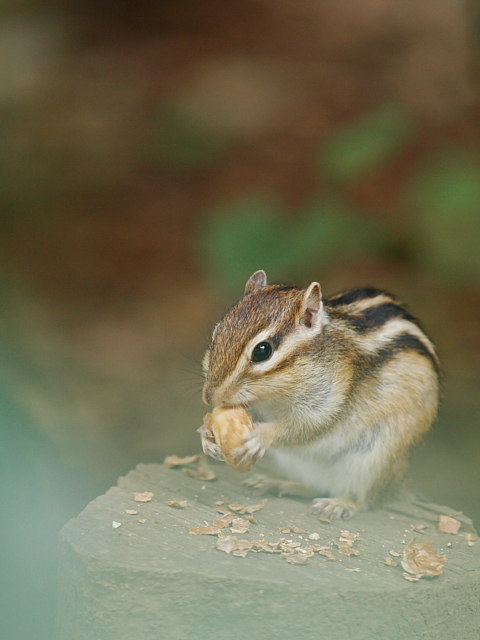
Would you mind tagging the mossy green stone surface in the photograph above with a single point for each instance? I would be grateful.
(154, 580)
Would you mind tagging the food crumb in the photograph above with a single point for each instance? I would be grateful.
(239, 525)
(421, 559)
(419, 528)
(176, 504)
(298, 530)
(410, 578)
(345, 543)
(207, 530)
(202, 472)
(447, 524)
(390, 562)
(243, 509)
(144, 496)
(471, 539)
(224, 521)
(175, 461)
(297, 559)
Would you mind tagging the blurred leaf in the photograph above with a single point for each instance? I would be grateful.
(446, 194)
(330, 229)
(320, 231)
(252, 233)
(366, 144)
(241, 236)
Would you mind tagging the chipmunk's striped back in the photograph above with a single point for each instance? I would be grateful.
(383, 325)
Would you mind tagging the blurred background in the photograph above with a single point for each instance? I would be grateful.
(152, 156)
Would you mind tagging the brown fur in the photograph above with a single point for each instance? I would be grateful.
(359, 374)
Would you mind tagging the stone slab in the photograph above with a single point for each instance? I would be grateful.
(150, 580)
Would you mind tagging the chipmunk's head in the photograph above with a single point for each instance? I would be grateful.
(256, 346)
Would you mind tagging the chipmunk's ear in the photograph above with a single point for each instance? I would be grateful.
(311, 308)
(257, 281)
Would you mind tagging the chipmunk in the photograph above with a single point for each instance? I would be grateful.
(340, 390)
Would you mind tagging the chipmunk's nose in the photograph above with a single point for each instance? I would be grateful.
(213, 396)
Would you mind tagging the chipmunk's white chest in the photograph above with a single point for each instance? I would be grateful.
(332, 465)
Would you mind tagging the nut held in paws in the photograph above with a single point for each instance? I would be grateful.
(230, 425)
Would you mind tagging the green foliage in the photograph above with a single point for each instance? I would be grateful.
(446, 194)
(253, 232)
(366, 144)
(239, 237)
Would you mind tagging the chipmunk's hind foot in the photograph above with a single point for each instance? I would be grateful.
(259, 484)
(329, 509)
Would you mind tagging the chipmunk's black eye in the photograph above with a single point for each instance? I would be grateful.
(262, 352)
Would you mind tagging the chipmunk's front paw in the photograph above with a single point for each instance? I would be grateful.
(329, 509)
(252, 446)
(209, 446)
